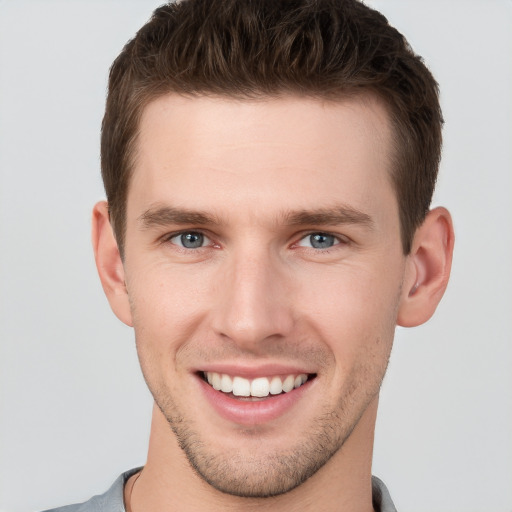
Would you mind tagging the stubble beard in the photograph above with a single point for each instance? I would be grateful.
(272, 474)
(264, 475)
(258, 476)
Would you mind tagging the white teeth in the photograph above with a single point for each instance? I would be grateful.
(216, 381)
(288, 383)
(226, 384)
(241, 387)
(276, 386)
(259, 387)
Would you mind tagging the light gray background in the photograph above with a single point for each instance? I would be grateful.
(74, 411)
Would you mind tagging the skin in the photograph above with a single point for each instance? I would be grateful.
(257, 293)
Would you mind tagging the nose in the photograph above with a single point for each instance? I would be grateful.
(253, 304)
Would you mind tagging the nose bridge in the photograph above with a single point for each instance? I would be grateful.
(252, 305)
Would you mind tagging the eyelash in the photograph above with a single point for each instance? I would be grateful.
(340, 240)
(168, 239)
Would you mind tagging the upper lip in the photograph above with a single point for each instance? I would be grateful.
(252, 372)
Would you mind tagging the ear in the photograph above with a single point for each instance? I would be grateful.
(109, 263)
(427, 269)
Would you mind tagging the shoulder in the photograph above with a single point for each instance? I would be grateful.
(110, 501)
(382, 501)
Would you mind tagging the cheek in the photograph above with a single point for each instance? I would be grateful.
(165, 298)
(350, 291)
(348, 308)
(166, 308)
(353, 309)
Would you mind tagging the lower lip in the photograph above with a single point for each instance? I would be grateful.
(245, 412)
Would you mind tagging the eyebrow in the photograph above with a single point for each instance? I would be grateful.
(339, 215)
(166, 215)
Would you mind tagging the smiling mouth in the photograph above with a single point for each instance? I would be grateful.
(254, 389)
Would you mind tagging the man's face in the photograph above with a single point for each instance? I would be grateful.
(263, 254)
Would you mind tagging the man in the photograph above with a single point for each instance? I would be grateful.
(269, 168)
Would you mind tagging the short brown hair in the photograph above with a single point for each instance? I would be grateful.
(255, 48)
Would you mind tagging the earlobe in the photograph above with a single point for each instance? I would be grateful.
(109, 263)
(428, 269)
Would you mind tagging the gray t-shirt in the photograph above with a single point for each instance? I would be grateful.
(113, 501)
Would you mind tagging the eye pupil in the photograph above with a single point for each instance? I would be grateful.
(321, 240)
(192, 240)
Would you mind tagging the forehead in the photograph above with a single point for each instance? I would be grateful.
(284, 150)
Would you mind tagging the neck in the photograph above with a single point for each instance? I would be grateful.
(168, 482)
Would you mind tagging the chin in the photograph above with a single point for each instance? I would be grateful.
(249, 463)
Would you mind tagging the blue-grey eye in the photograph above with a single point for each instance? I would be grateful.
(319, 241)
(190, 240)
